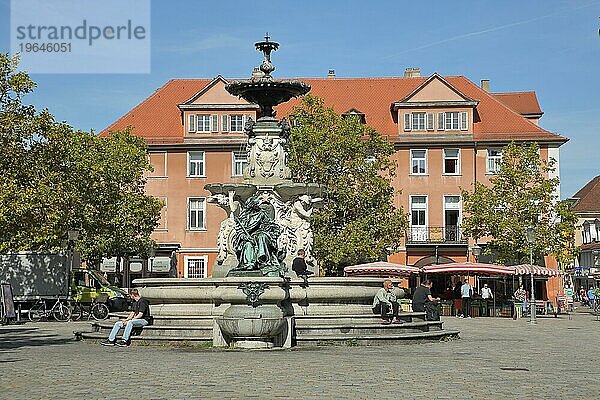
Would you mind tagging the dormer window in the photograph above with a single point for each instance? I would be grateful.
(353, 112)
(418, 121)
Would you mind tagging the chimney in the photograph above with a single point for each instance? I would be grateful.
(331, 73)
(412, 72)
(485, 85)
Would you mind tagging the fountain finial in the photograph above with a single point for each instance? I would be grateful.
(267, 47)
(262, 89)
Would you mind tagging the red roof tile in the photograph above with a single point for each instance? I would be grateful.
(588, 197)
(522, 102)
(159, 120)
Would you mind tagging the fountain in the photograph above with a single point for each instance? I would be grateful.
(253, 299)
(268, 214)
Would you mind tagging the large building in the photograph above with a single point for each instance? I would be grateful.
(586, 204)
(448, 133)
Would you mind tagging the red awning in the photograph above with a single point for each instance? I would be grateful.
(527, 269)
(381, 269)
(469, 268)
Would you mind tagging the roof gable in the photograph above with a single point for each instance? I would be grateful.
(588, 197)
(214, 93)
(435, 89)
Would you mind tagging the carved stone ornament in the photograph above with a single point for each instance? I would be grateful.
(253, 290)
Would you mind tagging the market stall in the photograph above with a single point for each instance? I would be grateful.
(479, 307)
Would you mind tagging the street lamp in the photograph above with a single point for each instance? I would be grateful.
(530, 236)
(72, 236)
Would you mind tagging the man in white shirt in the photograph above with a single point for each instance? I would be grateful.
(486, 292)
(466, 291)
(486, 296)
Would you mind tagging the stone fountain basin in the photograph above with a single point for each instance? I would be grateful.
(241, 322)
(212, 296)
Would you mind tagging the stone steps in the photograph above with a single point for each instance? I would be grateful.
(354, 318)
(310, 330)
(359, 330)
(373, 339)
(145, 338)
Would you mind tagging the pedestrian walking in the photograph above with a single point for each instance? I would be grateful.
(520, 297)
(466, 293)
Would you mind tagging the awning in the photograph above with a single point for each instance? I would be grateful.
(381, 269)
(469, 268)
(527, 269)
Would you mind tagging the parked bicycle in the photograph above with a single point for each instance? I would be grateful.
(59, 310)
(97, 309)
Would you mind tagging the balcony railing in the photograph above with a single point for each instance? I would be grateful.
(451, 234)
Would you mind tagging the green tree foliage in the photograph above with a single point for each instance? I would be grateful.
(358, 221)
(519, 196)
(53, 178)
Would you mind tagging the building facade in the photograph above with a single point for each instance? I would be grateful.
(586, 204)
(448, 133)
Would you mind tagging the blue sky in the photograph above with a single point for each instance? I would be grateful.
(552, 47)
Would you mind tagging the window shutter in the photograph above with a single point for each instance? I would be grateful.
(429, 121)
(214, 123)
(441, 121)
(407, 122)
(464, 121)
(191, 123)
(225, 123)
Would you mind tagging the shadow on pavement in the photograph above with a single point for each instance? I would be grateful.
(24, 337)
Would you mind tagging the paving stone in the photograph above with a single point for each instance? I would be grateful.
(42, 361)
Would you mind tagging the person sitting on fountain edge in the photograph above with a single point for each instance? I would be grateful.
(423, 301)
(299, 265)
(385, 302)
(139, 317)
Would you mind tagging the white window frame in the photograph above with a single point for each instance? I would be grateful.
(200, 162)
(457, 207)
(203, 123)
(234, 161)
(231, 123)
(444, 158)
(192, 123)
(214, 123)
(419, 233)
(451, 123)
(411, 162)
(419, 121)
(186, 262)
(497, 162)
(429, 121)
(189, 213)
(407, 122)
(224, 123)
(441, 121)
(463, 121)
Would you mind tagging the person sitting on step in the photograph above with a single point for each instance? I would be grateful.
(139, 317)
(385, 302)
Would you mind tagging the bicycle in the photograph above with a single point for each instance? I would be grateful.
(96, 309)
(59, 311)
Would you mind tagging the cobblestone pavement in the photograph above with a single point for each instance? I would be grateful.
(557, 358)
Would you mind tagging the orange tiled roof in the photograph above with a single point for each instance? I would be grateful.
(522, 102)
(159, 120)
(588, 197)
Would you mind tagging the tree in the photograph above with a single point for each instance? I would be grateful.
(53, 178)
(358, 221)
(519, 196)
